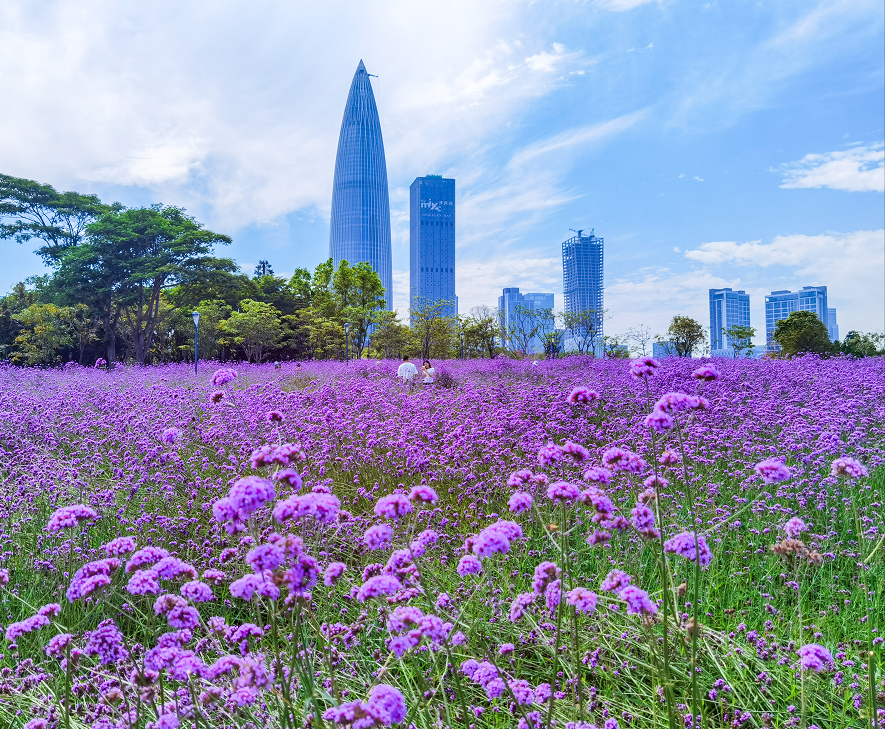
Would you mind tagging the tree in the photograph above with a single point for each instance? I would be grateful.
(740, 338)
(46, 328)
(256, 328)
(802, 331)
(520, 329)
(37, 211)
(685, 335)
(128, 259)
(614, 348)
(858, 344)
(263, 269)
(432, 329)
(551, 337)
(641, 336)
(392, 338)
(359, 300)
(84, 327)
(584, 328)
(481, 332)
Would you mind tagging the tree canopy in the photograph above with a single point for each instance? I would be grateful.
(802, 332)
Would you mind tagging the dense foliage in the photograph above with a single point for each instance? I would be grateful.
(534, 543)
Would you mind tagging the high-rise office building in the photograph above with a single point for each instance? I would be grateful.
(582, 258)
(512, 310)
(832, 326)
(360, 224)
(432, 242)
(727, 308)
(779, 304)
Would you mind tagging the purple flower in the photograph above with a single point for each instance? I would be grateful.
(553, 595)
(333, 573)
(519, 478)
(563, 491)
(596, 474)
(197, 591)
(655, 482)
(545, 573)
(222, 377)
(251, 584)
(84, 587)
(576, 452)
(583, 599)
(56, 646)
(643, 367)
(848, 467)
(505, 649)
(384, 707)
(322, 507)
(773, 471)
(245, 497)
(707, 373)
(615, 581)
(265, 557)
(673, 403)
(685, 546)
(522, 689)
(637, 600)
(274, 416)
(15, 630)
(582, 396)
(183, 616)
(144, 582)
(424, 493)
(520, 502)
(620, 459)
(496, 538)
(644, 521)
(106, 642)
(119, 546)
(378, 586)
(50, 610)
(549, 454)
(69, 516)
(289, 476)
(169, 568)
(393, 506)
(469, 565)
(794, 527)
(170, 435)
(669, 458)
(378, 536)
(145, 557)
(659, 421)
(270, 455)
(520, 604)
(302, 575)
(814, 657)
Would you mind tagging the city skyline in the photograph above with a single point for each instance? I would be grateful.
(718, 146)
(432, 235)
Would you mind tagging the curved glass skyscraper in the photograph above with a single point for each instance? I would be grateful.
(360, 225)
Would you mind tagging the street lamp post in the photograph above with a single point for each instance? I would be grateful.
(462, 345)
(196, 316)
(347, 342)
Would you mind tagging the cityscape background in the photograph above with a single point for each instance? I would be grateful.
(711, 146)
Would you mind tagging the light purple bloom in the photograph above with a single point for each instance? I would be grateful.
(615, 581)
(637, 600)
(106, 642)
(15, 630)
(70, 516)
(550, 454)
(620, 459)
(596, 474)
(545, 573)
(684, 545)
(496, 538)
(773, 471)
(197, 591)
(265, 557)
(576, 452)
(583, 599)
(794, 527)
(144, 557)
(582, 396)
(659, 421)
(289, 476)
(469, 565)
(378, 536)
(563, 491)
(322, 507)
(706, 372)
(519, 478)
(424, 493)
(848, 467)
(333, 573)
(814, 657)
(393, 506)
(553, 595)
(223, 376)
(643, 367)
(144, 582)
(520, 604)
(644, 521)
(119, 546)
(170, 435)
(378, 586)
(520, 502)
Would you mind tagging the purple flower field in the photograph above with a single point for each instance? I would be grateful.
(574, 543)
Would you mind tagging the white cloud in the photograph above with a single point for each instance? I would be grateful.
(850, 265)
(860, 169)
(621, 6)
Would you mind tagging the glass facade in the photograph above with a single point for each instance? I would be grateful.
(582, 258)
(832, 326)
(432, 241)
(511, 298)
(779, 304)
(360, 223)
(727, 308)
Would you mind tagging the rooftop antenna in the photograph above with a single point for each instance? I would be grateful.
(577, 231)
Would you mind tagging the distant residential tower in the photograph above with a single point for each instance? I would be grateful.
(511, 305)
(432, 242)
(727, 308)
(360, 224)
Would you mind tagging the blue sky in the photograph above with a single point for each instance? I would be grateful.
(711, 144)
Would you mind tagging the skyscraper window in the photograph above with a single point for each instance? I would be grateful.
(432, 252)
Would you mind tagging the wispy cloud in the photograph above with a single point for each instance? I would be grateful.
(859, 169)
(621, 6)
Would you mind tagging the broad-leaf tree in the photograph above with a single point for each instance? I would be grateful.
(584, 329)
(740, 338)
(802, 331)
(686, 335)
(256, 328)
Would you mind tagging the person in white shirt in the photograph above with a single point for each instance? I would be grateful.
(429, 374)
(407, 371)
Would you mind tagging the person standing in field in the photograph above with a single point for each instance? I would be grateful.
(407, 371)
(428, 373)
